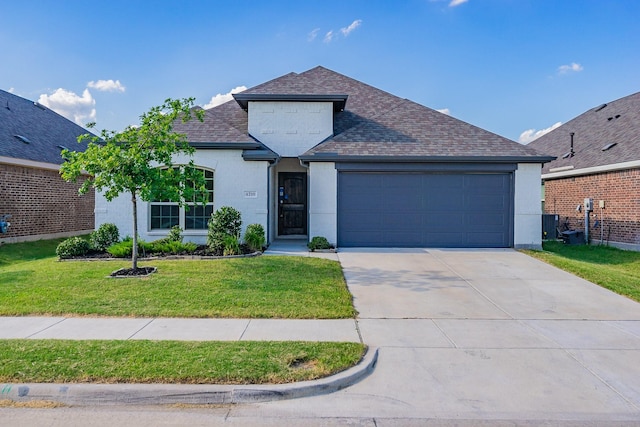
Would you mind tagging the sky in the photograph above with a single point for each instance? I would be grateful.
(517, 68)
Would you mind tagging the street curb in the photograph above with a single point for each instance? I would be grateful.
(165, 394)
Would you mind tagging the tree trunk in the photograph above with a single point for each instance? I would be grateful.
(134, 251)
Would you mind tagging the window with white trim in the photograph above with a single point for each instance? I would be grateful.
(164, 214)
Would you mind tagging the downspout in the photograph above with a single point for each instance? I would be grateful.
(306, 166)
(269, 190)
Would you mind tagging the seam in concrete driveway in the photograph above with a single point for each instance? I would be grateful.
(162, 394)
(604, 381)
(441, 261)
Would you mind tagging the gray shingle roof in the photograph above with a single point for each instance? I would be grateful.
(374, 123)
(45, 130)
(617, 122)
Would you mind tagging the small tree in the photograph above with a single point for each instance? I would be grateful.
(139, 161)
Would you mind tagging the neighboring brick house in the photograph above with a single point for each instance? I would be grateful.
(321, 154)
(41, 203)
(603, 165)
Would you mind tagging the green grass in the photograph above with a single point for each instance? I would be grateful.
(609, 267)
(60, 361)
(34, 282)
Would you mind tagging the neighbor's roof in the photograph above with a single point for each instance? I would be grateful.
(374, 124)
(616, 122)
(31, 131)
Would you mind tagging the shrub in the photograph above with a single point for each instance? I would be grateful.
(254, 237)
(171, 247)
(106, 235)
(231, 245)
(74, 246)
(124, 248)
(319, 242)
(225, 221)
(175, 234)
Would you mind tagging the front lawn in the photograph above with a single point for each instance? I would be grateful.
(609, 267)
(246, 362)
(34, 282)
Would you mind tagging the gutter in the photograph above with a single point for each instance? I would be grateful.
(592, 170)
(334, 157)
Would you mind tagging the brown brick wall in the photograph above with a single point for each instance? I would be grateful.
(41, 202)
(619, 189)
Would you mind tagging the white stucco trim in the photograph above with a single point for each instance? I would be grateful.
(593, 170)
(323, 201)
(527, 221)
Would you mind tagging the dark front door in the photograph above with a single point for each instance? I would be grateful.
(292, 203)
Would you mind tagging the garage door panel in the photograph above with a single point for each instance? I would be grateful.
(402, 239)
(403, 202)
(482, 239)
(496, 221)
(486, 203)
(444, 221)
(395, 209)
(444, 238)
(363, 183)
(368, 238)
(445, 181)
(442, 201)
(365, 221)
(400, 182)
(401, 222)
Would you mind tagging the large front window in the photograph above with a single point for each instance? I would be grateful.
(165, 214)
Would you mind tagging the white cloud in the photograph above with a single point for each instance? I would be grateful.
(107, 86)
(455, 3)
(531, 134)
(347, 30)
(222, 98)
(444, 111)
(80, 109)
(11, 90)
(328, 37)
(313, 34)
(573, 67)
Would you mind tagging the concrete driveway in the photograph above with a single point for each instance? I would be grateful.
(482, 335)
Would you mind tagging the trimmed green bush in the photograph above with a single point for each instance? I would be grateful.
(175, 234)
(74, 246)
(124, 248)
(171, 247)
(319, 242)
(225, 221)
(254, 237)
(231, 246)
(106, 235)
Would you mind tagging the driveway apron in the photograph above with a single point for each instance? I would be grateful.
(484, 334)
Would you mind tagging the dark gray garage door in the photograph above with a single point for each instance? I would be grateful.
(390, 209)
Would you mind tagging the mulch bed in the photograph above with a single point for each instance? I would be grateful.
(131, 272)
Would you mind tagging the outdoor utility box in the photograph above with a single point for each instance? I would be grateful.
(549, 226)
(573, 237)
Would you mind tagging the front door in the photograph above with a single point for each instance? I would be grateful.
(292, 203)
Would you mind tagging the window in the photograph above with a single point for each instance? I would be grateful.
(165, 214)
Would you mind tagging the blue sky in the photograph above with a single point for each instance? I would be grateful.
(513, 67)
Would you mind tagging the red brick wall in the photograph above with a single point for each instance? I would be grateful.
(620, 191)
(41, 202)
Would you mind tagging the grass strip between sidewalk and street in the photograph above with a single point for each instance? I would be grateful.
(34, 282)
(173, 362)
(611, 268)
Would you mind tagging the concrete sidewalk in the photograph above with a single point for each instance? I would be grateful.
(91, 328)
